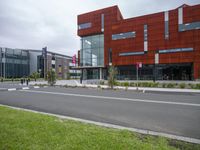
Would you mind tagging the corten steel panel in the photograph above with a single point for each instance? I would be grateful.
(191, 14)
(114, 24)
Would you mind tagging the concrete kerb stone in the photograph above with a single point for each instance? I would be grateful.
(22, 88)
(142, 89)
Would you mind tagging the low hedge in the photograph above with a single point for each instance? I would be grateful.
(159, 85)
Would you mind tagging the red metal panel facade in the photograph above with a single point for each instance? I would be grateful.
(115, 24)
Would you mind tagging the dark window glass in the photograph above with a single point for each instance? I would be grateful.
(85, 25)
(102, 22)
(189, 26)
(123, 35)
(175, 50)
(145, 33)
(131, 53)
(166, 29)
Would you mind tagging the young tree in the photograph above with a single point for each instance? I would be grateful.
(35, 76)
(112, 76)
(51, 77)
(68, 75)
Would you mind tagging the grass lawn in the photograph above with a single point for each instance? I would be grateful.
(27, 130)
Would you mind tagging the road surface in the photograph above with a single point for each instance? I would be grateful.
(172, 113)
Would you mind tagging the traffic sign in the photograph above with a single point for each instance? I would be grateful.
(139, 65)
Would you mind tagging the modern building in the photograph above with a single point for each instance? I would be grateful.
(16, 63)
(166, 43)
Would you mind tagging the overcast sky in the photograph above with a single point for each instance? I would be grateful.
(33, 24)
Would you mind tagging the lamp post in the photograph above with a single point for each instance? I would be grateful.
(4, 68)
(138, 65)
(155, 64)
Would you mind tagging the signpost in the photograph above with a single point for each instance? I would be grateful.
(156, 62)
(74, 62)
(138, 65)
(44, 54)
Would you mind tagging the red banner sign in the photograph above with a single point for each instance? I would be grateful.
(74, 59)
(139, 65)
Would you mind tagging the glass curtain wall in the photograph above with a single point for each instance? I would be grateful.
(15, 63)
(92, 51)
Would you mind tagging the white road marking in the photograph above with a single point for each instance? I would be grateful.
(25, 88)
(116, 98)
(142, 131)
(36, 87)
(12, 89)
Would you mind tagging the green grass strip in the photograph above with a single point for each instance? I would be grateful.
(26, 130)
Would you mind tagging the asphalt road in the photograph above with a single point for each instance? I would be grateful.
(176, 113)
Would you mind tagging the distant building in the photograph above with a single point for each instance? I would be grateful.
(17, 63)
(166, 43)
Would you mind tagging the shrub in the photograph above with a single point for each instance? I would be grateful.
(182, 85)
(68, 75)
(125, 84)
(51, 77)
(112, 76)
(155, 84)
(143, 84)
(102, 83)
(164, 85)
(170, 85)
(117, 83)
(133, 84)
(35, 76)
(197, 86)
(192, 86)
(139, 84)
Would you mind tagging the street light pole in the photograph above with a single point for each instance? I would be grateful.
(138, 65)
(4, 64)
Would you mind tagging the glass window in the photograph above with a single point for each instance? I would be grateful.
(175, 50)
(166, 30)
(92, 51)
(180, 15)
(123, 35)
(102, 22)
(84, 25)
(145, 33)
(131, 53)
(95, 40)
(17, 63)
(166, 15)
(189, 26)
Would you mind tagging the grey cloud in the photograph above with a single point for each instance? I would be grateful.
(34, 24)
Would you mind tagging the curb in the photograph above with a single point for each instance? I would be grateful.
(144, 89)
(36, 87)
(25, 88)
(22, 88)
(12, 89)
